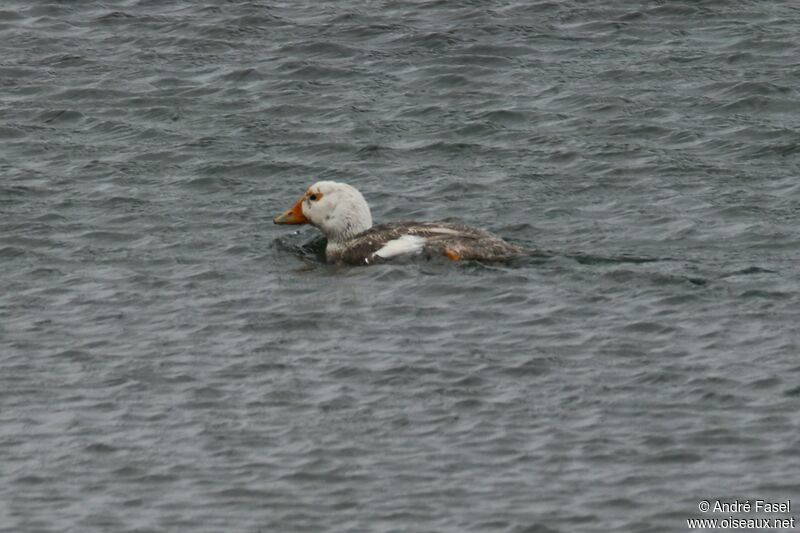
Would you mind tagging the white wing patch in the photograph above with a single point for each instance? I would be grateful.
(445, 231)
(407, 244)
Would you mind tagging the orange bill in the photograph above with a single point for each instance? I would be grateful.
(292, 216)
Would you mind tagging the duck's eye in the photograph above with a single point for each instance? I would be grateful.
(313, 197)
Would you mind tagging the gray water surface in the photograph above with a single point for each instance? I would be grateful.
(172, 361)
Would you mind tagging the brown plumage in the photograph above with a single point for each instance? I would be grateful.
(454, 241)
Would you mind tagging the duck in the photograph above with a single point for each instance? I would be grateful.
(342, 214)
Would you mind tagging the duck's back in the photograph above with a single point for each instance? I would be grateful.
(454, 241)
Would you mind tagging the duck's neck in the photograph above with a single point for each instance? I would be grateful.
(342, 228)
(346, 231)
(349, 216)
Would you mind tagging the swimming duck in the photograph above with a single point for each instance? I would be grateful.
(342, 214)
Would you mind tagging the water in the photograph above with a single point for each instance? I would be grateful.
(171, 361)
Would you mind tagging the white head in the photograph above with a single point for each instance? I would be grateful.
(337, 209)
